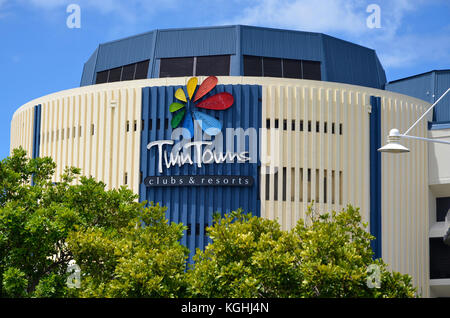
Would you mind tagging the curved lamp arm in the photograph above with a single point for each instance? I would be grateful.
(393, 139)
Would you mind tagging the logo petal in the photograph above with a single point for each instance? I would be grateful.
(209, 124)
(179, 94)
(191, 86)
(219, 101)
(208, 84)
(175, 106)
(177, 118)
(188, 125)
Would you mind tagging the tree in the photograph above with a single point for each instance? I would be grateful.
(45, 226)
(327, 256)
(132, 260)
(125, 248)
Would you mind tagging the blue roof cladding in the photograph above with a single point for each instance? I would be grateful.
(341, 61)
(428, 87)
(123, 52)
(342, 56)
(89, 70)
(196, 42)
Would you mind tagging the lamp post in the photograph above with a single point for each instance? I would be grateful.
(393, 139)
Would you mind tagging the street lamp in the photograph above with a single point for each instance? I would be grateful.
(393, 145)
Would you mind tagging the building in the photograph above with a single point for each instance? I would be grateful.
(430, 86)
(291, 117)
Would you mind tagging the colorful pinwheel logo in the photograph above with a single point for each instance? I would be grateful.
(185, 113)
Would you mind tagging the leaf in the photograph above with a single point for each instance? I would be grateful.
(177, 118)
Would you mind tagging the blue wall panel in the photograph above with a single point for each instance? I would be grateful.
(196, 204)
(442, 109)
(420, 86)
(36, 131)
(428, 87)
(375, 175)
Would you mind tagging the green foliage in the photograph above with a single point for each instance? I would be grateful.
(328, 256)
(132, 261)
(14, 283)
(44, 226)
(127, 249)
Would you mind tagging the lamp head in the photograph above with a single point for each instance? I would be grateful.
(393, 145)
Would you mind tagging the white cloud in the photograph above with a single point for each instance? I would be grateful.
(310, 15)
(396, 42)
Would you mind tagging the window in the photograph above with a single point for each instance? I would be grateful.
(442, 208)
(174, 67)
(124, 73)
(272, 67)
(252, 65)
(102, 77)
(128, 72)
(278, 67)
(311, 70)
(439, 259)
(114, 74)
(142, 69)
(188, 230)
(292, 68)
(213, 65)
(195, 66)
(197, 229)
(311, 176)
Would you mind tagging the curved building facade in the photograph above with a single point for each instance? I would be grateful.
(272, 148)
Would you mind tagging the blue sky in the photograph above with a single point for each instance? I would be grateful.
(40, 55)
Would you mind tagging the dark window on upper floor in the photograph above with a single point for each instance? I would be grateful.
(142, 70)
(292, 68)
(252, 65)
(442, 207)
(124, 73)
(193, 66)
(277, 67)
(128, 72)
(213, 65)
(272, 67)
(102, 77)
(178, 66)
(439, 259)
(311, 70)
(114, 74)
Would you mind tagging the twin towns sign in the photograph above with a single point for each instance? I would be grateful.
(184, 115)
